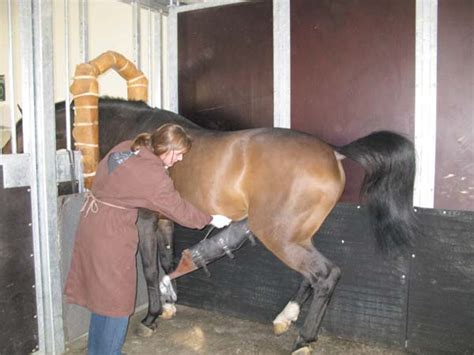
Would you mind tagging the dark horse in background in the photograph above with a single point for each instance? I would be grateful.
(281, 185)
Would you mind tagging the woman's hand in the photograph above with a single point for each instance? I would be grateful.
(220, 221)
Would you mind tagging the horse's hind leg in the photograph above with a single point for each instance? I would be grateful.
(292, 310)
(323, 276)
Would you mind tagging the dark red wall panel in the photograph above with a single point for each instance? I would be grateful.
(18, 325)
(353, 71)
(226, 65)
(454, 184)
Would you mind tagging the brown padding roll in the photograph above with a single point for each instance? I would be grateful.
(85, 89)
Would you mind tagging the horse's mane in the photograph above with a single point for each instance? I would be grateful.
(123, 103)
(142, 109)
(136, 114)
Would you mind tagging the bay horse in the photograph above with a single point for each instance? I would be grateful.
(282, 184)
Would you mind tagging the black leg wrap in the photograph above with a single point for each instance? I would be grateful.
(223, 243)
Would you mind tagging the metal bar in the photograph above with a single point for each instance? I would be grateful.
(11, 80)
(44, 190)
(425, 100)
(136, 31)
(158, 5)
(206, 5)
(67, 98)
(281, 64)
(84, 31)
(25, 9)
(172, 102)
(37, 81)
(150, 58)
(156, 58)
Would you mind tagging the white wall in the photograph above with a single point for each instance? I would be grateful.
(4, 44)
(110, 28)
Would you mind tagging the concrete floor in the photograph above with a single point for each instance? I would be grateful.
(195, 331)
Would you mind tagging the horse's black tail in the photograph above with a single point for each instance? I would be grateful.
(389, 163)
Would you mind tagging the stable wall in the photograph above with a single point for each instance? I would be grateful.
(454, 185)
(352, 72)
(225, 60)
(18, 312)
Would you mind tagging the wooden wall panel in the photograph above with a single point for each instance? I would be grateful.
(353, 71)
(454, 185)
(226, 66)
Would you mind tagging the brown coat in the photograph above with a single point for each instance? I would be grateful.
(102, 277)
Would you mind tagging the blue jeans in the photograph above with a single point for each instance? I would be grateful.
(106, 335)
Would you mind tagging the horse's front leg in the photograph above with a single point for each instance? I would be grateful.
(210, 249)
(166, 260)
(148, 245)
(165, 228)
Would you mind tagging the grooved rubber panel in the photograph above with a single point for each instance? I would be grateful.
(18, 325)
(441, 311)
(369, 302)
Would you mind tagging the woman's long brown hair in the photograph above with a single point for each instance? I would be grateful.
(170, 136)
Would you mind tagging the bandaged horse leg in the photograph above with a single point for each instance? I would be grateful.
(290, 313)
(323, 276)
(211, 249)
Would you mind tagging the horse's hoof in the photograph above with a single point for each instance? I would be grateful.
(281, 327)
(168, 311)
(144, 332)
(167, 314)
(168, 293)
(305, 350)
